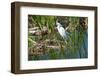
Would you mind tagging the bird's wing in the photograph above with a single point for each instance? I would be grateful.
(62, 32)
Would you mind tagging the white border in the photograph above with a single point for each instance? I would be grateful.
(25, 64)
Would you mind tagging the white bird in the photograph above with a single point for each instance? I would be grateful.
(61, 30)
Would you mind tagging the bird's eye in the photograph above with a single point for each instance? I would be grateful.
(58, 21)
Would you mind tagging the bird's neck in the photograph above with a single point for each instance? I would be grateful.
(58, 26)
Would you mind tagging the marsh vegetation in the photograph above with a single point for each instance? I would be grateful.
(45, 42)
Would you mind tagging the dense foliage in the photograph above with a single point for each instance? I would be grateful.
(45, 42)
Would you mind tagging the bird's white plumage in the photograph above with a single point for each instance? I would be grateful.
(61, 30)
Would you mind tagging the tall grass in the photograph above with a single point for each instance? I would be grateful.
(74, 43)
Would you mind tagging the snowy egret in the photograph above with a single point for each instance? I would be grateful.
(62, 31)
